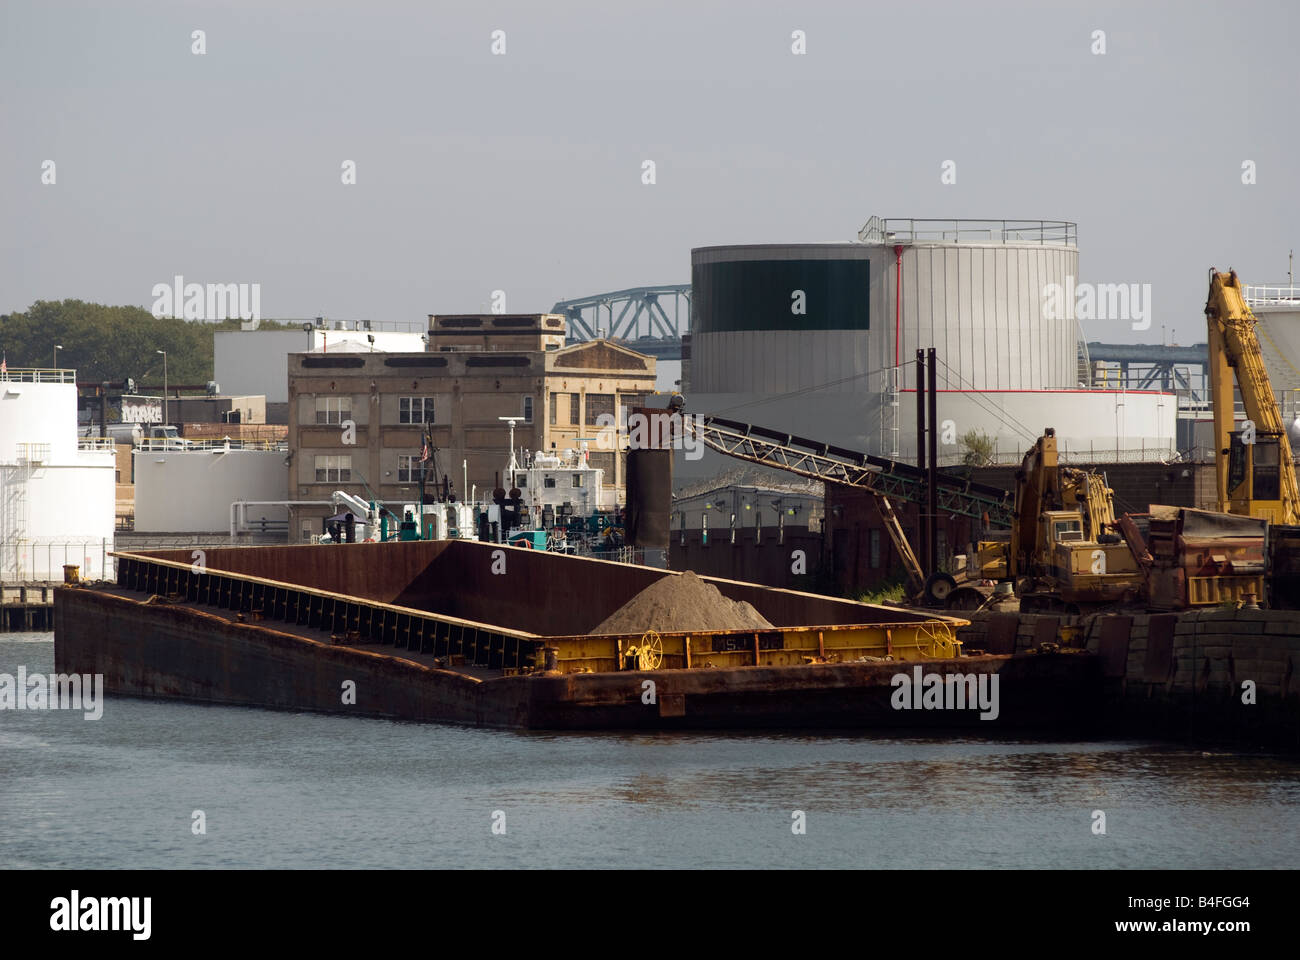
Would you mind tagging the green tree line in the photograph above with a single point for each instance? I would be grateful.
(112, 343)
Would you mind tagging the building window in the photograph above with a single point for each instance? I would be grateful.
(415, 410)
(521, 481)
(333, 469)
(626, 401)
(574, 403)
(528, 409)
(548, 482)
(577, 480)
(875, 548)
(408, 468)
(599, 404)
(333, 409)
(555, 402)
(603, 461)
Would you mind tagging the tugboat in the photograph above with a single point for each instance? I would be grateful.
(557, 501)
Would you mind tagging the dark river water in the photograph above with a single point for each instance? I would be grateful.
(303, 790)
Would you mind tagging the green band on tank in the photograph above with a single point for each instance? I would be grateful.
(759, 295)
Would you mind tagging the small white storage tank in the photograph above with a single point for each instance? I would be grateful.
(191, 490)
(57, 493)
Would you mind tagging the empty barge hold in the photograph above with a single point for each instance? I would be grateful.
(466, 632)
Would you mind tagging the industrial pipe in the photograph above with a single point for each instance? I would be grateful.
(932, 480)
(898, 298)
(922, 520)
(238, 518)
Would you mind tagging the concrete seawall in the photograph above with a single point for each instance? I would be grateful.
(1201, 676)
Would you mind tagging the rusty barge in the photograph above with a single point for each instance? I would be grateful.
(472, 633)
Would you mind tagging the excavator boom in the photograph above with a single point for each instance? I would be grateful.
(1253, 467)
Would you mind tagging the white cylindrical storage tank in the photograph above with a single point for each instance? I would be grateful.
(56, 499)
(38, 417)
(778, 318)
(985, 309)
(1277, 308)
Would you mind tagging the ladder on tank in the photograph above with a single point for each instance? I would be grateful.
(13, 519)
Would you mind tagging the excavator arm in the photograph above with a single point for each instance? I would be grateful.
(1254, 470)
(915, 575)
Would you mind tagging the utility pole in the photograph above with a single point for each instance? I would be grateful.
(932, 481)
(923, 521)
(166, 418)
(419, 519)
(513, 465)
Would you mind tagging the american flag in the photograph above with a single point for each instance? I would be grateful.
(424, 449)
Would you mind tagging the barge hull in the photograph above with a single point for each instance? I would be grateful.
(173, 651)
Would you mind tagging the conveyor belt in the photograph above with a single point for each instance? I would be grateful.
(831, 464)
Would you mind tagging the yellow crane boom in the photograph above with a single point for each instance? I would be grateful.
(1253, 467)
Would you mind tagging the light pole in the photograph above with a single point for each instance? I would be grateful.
(307, 329)
(166, 420)
(57, 348)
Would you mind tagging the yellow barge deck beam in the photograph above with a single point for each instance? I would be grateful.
(776, 647)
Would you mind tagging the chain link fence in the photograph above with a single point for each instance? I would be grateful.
(42, 560)
(1012, 455)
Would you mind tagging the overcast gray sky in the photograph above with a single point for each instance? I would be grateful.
(522, 172)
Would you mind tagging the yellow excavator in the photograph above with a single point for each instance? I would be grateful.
(1069, 553)
(1254, 470)
(1063, 553)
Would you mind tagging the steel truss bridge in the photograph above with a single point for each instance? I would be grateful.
(651, 319)
(1144, 366)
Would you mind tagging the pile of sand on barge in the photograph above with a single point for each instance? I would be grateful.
(677, 604)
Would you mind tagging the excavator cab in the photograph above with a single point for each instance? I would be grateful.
(1254, 475)
(1076, 569)
(1066, 529)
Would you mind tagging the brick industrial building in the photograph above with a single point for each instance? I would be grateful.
(356, 418)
